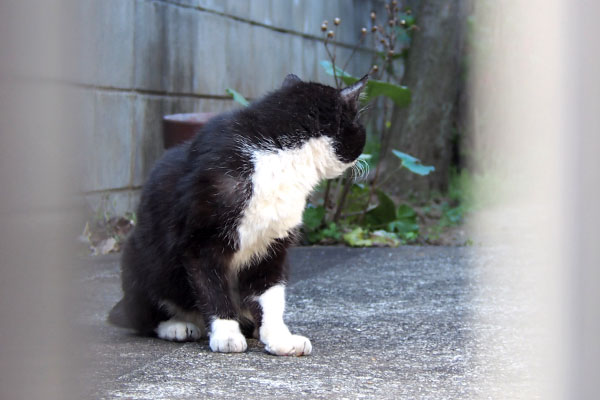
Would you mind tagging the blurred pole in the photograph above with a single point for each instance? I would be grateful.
(583, 186)
(521, 128)
(38, 212)
(539, 79)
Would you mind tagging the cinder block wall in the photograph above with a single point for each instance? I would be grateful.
(143, 59)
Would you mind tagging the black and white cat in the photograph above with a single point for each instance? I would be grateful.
(218, 213)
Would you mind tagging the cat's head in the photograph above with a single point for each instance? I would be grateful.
(334, 115)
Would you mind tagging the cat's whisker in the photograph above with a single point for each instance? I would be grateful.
(360, 170)
(362, 110)
(366, 169)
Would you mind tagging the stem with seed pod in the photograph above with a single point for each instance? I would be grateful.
(384, 34)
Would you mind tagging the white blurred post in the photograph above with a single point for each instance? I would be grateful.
(38, 213)
(582, 233)
(543, 138)
(521, 84)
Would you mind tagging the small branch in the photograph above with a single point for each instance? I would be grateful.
(392, 173)
(382, 152)
(342, 199)
(332, 58)
(334, 193)
(338, 83)
(326, 199)
(371, 192)
(374, 47)
(353, 51)
(338, 188)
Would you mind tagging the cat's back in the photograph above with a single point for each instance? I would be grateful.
(201, 182)
(202, 159)
(160, 187)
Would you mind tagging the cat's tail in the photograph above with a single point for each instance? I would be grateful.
(118, 317)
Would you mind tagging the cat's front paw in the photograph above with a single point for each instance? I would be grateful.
(178, 331)
(289, 345)
(228, 343)
(225, 337)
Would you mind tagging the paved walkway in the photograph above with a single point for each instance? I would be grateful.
(411, 322)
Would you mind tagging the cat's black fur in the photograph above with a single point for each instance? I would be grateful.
(191, 205)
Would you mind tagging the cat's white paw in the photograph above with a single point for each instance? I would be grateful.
(289, 345)
(225, 337)
(178, 331)
(228, 343)
(273, 332)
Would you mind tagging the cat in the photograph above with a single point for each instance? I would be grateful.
(218, 213)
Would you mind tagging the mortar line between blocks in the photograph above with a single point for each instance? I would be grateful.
(257, 23)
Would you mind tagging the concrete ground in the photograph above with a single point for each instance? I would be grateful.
(409, 322)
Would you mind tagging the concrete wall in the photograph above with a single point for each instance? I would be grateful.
(142, 59)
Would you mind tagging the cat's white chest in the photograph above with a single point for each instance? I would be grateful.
(281, 182)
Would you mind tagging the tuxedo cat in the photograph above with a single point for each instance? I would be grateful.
(218, 213)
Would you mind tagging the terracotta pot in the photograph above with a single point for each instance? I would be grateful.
(179, 128)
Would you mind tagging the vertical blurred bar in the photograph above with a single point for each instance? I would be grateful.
(519, 91)
(583, 208)
(544, 132)
(38, 212)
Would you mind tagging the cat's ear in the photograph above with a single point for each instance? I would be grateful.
(351, 93)
(290, 80)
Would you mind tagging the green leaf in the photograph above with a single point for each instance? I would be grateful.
(331, 232)
(313, 217)
(454, 215)
(384, 238)
(313, 237)
(340, 73)
(384, 213)
(400, 95)
(356, 199)
(403, 227)
(408, 18)
(237, 97)
(406, 212)
(406, 221)
(328, 234)
(413, 164)
(418, 168)
(360, 237)
(404, 156)
(410, 236)
(357, 238)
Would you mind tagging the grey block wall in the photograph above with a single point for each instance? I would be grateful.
(142, 59)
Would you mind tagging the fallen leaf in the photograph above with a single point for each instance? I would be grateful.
(106, 246)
